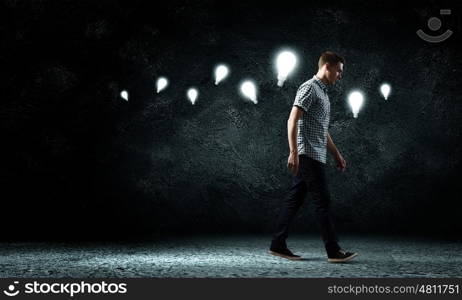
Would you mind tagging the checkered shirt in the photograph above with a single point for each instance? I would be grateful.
(312, 126)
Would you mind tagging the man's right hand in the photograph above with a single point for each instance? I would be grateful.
(292, 163)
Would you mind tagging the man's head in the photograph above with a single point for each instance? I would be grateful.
(331, 65)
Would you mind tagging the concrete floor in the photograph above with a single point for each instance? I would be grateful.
(232, 256)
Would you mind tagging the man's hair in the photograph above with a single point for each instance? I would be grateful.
(330, 57)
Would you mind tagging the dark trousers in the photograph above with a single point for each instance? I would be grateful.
(311, 178)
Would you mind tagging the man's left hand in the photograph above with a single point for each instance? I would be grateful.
(341, 163)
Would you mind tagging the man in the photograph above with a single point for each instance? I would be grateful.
(309, 141)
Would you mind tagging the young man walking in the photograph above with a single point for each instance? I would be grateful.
(309, 141)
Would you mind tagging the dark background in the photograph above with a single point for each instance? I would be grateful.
(78, 162)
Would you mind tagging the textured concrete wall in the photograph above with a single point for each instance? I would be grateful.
(77, 158)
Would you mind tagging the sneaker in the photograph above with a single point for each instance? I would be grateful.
(341, 256)
(285, 253)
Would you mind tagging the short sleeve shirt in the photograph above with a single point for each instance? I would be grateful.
(313, 125)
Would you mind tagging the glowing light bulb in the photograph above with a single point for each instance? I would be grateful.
(124, 95)
(249, 90)
(385, 89)
(355, 99)
(162, 83)
(285, 63)
(220, 73)
(192, 95)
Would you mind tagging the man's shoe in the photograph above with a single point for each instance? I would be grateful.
(285, 253)
(341, 256)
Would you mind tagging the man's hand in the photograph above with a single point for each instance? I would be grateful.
(341, 163)
(292, 163)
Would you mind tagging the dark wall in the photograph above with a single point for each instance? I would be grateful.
(78, 161)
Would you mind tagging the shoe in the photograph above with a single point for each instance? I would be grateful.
(285, 253)
(341, 256)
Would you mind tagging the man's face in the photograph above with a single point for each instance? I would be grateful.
(334, 72)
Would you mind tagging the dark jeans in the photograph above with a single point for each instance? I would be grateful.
(310, 178)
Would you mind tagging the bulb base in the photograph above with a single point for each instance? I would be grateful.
(281, 79)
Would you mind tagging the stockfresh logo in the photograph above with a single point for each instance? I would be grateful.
(12, 291)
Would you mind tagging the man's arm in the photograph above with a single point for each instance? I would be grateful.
(292, 131)
(331, 146)
(341, 163)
